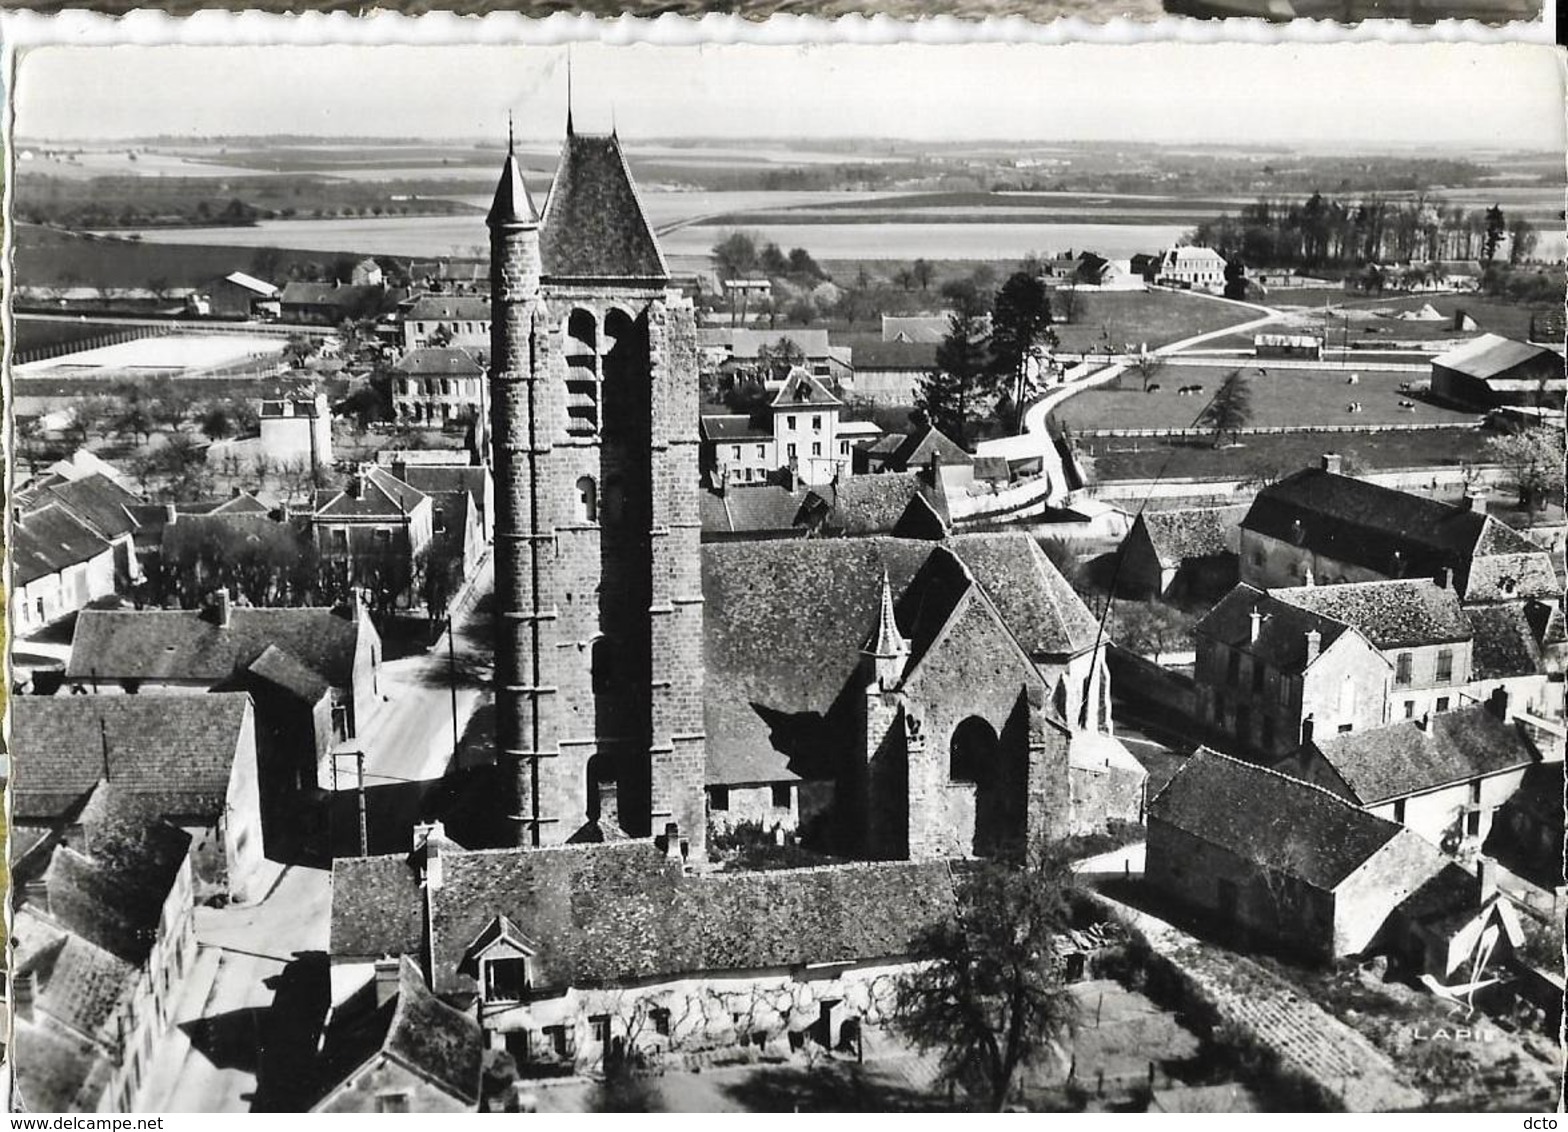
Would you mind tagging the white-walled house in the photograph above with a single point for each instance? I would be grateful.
(59, 566)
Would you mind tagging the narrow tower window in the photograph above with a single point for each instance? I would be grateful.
(587, 501)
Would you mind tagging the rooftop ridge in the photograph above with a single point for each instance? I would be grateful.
(1282, 776)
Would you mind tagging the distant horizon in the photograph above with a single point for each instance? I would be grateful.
(1331, 98)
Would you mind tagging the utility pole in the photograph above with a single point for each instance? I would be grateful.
(364, 826)
(103, 735)
(451, 678)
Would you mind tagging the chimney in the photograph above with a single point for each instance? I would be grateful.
(672, 841)
(1485, 875)
(234, 491)
(22, 996)
(170, 513)
(1314, 644)
(1497, 703)
(1443, 578)
(1475, 499)
(431, 839)
(1257, 625)
(1306, 731)
(1333, 463)
(221, 609)
(386, 980)
(936, 466)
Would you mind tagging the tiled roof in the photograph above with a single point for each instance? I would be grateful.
(1281, 634)
(800, 388)
(82, 984)
(1504, 642)
(251, 283)
(1397, 614)
(377, 495)
(732, 427)
(340, 296)
(57, 1071)
(46, 541)
(871, 353)
(440, 361)
(1366, 524)
(95, 499)
(918, 447)
(1408, 758)
(744, 343)
(1036, 604)
(1196, 532)
(1505, 577)
(612, 913)
(1491, 356)
(448, 308)
(512, 204)
(112, 889)
(161, 644)
(283, 670)
(594, 225)
(376, 908)
(179, 750)
(434, 479)
(1269, 819)
(915, 328)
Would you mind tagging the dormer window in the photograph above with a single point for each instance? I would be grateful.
(506, 979)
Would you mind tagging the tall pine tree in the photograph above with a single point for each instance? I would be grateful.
(958, 390)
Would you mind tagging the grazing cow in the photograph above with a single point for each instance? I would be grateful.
(1404, 387)
(1411, 405)
(1353, 379)
(1196, 388)
(1155, 388)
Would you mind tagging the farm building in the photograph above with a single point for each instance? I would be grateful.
(1283, 860)
(1200, 268)
(1189, 551)
(1493, 371)
(1287, 346)
(237, 295)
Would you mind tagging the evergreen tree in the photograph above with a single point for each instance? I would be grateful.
(1020, 322)
(954, 393)
(1496, 228)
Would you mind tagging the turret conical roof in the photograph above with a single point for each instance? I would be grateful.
(512, 205)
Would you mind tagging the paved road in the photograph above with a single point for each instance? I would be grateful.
(411, 738)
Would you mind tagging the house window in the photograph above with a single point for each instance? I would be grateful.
(816, 448)
(383, 536)
(599, 1024)
(560, 1040)
(1284, 692)
(1402, 669)
(843, 448)
(1410, 709)
(718, 798)
(789, 423)
(339, 539)
(816, 422)
(762, 452)
(781, 791)
(736, 450)
(392, 1102)
(1399, 810)
(972, 749)
(1442, 703)
(1233, 669)
(1344, 727)
(1475, 792)
(661, 1021)
(520, 1046)
(506, 980)
(790, 451)
(438, 520)
(1445, 666)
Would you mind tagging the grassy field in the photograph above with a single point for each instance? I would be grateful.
(1155, 318)
(1366, 328)
(1282, 399)
(1121, 458)
(46, 257)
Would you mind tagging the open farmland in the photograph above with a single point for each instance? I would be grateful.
(1126, 458)
(1370, 323)
(1153, 318)
(1293, 398)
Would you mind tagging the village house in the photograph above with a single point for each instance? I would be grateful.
(737, 351)
(396, 1047)
(1527, 828)
(1270, 674)
(934, 700)
(98, 502)
(889, 371)
(1319, 526)
(1492, 371)
(903, 504)
(1192, 268)
(1279, 860)
(58, 567)
(797, 434)
(440, 473)
(104, 931)
(192, 651)
(447, 320)
(904, 452)
(297, 429)
(647, 957)
(238, 296)
(1441, 776)
(1187, 553)
(1416, 624)
(374, 524)
(329, 304)
(439, 385)
(366, 273)
(192, 759)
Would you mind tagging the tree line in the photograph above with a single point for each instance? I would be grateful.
(1331, 233)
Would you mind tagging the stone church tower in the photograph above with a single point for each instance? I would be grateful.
(594, 409)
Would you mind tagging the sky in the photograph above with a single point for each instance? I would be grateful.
(1320, 95)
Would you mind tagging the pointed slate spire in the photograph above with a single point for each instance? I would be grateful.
(568, 90)
(512, 206)
(886, 640)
